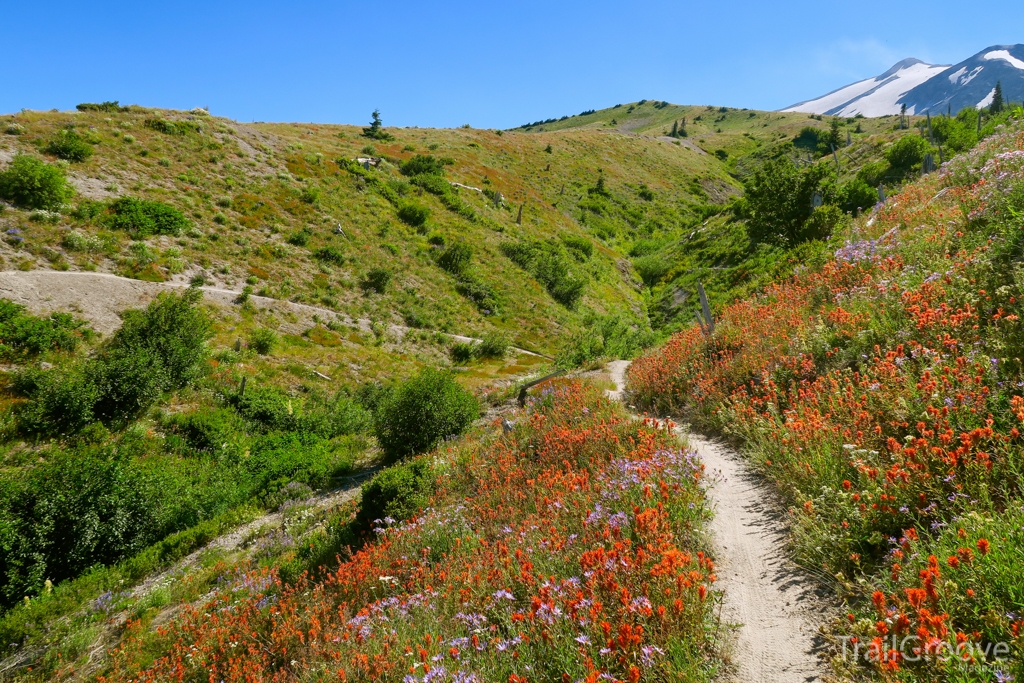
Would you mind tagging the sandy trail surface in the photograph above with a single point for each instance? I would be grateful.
(773, 605)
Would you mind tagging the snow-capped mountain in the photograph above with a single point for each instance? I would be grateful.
(928, 87)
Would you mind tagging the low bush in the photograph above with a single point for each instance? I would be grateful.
(580, 247)
(33, 184)
(396, 493)
(61, 401)
(479, 292)
(109, 107)
(331, 255)
(906, 155)
(211, 433)
(779, 200)
(300, 238)
(69, 145)
(414, 215)
(494, 344)
(275, 460)
(142, 218)
(94, 506)
(175, 328)
(456, 258)
(421, 412)
(424, 164)
(463, 352)
(262, 340)
(858, 195)
(173, 127)
(376, 280)
(653, 268)
(25, 336)
(267, 410)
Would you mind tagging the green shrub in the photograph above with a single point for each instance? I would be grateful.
(857, 194)
(69, 145)
(376, 280)
(208, 432)
(494, 344)
(463, 352)
(421, 412)
(173, 127)
(33, 184)
(23, 335)
(175, 328)
(91, 506)
(413, 214)
(310, 195)
(580, 247)
(873, 173)
(477, 291)
(142, 218)
(277, 459)
(129, 380)
(396, 494)
(61, 401)
(266, 409)
(331, 255)
(88, 209)
(779, 200)
(425, 164)
(158, 349)
(456, 258)
(906, 155)
(262, 340)
(823, 221)
(109, 107)
(652, 269)
(300, 238)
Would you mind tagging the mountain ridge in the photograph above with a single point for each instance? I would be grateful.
(927, 88)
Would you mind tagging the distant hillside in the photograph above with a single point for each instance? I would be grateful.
(625, 195)
(928, 88)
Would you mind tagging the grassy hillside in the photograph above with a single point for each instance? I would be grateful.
(263, 199)
(279, 206)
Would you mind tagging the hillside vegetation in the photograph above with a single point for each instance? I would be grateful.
(881, 389)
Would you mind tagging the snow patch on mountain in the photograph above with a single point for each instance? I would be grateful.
(874, 96)
(1005, 56)
(987, 100)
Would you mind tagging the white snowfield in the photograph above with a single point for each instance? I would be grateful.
(1005, 56)
(987, 100)
(874, 96)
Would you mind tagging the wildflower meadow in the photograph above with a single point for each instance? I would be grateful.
(570, 549)
(881, 389)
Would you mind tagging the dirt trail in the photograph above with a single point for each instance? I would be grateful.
(772, 602)
(101, 297)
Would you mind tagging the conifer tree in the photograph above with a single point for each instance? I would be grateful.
(997, 99)
(376, 130)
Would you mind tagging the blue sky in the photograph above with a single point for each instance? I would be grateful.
(489, 64)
